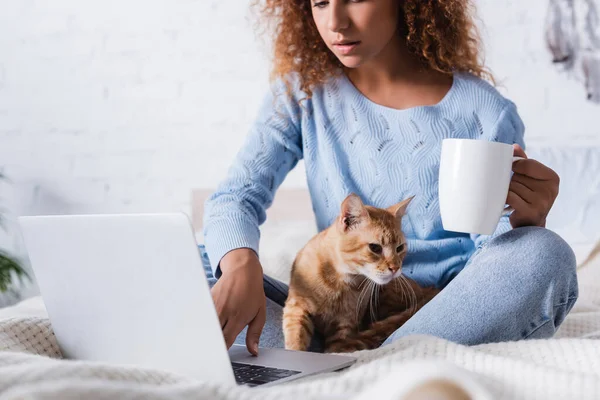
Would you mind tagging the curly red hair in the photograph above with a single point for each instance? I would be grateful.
(441, 33)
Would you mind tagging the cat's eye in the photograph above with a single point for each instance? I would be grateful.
(400, 248)
(375, 248)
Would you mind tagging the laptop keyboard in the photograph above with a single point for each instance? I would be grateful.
(254, 375)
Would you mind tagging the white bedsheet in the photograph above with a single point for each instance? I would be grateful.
(566, 367)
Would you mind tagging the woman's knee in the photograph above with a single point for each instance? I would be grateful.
(539, 256)
(540, 247)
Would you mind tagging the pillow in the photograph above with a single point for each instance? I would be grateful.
(280, 242)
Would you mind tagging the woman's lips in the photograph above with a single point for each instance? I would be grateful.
(346, 48)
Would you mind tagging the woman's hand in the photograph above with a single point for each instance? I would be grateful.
(239, 297)
(532, 191)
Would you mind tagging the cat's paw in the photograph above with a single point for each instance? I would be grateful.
(347, 346)
(295, 346)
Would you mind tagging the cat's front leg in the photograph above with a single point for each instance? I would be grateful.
(380, 330)
(343, 339)
(347, 346)
(348, 340)
(298, 327)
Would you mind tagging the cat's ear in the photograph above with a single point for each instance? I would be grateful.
(398, 210)
(353, 212)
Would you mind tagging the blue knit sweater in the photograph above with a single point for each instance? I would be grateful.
(350, 144)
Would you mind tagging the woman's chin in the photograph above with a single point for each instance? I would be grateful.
(351, 61)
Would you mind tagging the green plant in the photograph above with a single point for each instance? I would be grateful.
(9, 266)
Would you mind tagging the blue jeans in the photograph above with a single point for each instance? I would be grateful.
(519, 285)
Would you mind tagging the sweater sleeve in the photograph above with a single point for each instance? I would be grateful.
(272, 148)
(508, 128)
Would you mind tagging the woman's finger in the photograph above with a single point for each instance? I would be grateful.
(516, 202)
(530, 183)
(231, 330)
(255, 329)
(544, 189)
(522, 191)
(534, 169)
(524, 214)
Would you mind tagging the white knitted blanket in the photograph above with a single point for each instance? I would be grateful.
(566, 367)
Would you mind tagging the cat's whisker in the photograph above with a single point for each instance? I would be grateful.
(361, 297)
(368, 288)
(410, 294)
(413, 296)
(374, 295)
(371, 300)
(363, 282)
(369, 292)
(363, 287)
(374, 302)
(399, 287)
(377, 303)
(358, 304)
(400, 283)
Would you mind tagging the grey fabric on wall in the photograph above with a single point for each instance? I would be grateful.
(573, 38)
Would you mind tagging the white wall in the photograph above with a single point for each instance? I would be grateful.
(123, 105)
(126, 105)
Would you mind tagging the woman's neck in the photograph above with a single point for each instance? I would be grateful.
(394, 64)
(396, 78)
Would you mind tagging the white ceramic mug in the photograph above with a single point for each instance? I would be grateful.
(473, 184)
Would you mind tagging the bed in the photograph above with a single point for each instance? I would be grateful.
(567, 366)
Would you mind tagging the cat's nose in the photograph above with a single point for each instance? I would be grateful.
(393, 268)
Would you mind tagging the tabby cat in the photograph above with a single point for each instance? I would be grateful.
(347, 282)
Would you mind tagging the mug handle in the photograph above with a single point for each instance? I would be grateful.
(508, 209)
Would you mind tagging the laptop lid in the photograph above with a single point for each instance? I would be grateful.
(128, 289)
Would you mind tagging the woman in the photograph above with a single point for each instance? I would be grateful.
(364, 91)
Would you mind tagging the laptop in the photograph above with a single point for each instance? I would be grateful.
(130, 289)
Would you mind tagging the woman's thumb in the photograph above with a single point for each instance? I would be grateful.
(518, 151)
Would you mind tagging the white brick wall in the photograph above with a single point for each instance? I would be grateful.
(126, 105)
(120, 106)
